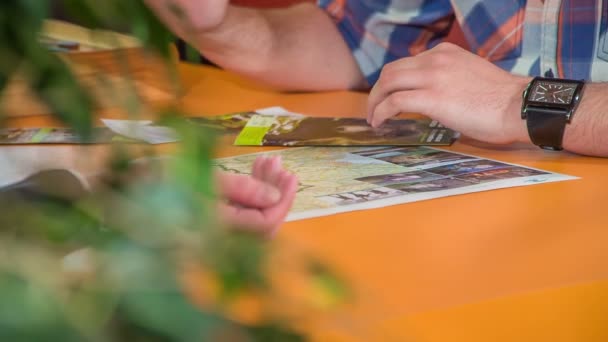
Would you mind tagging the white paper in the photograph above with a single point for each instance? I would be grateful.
(278, 111)
(143, 130)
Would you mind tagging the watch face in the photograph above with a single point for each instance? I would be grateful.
(553, 92)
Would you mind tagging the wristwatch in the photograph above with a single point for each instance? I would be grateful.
(548, 105)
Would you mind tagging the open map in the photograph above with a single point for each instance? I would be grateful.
(341, 179)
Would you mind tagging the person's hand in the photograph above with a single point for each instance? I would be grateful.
(261, 201)
(455, 87)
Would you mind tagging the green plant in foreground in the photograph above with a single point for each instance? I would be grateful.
(109, 264)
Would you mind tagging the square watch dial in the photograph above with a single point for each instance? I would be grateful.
(553, 92)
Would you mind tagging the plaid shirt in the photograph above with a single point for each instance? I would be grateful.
(561, 38)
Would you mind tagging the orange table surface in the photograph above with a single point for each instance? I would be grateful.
(519, 264)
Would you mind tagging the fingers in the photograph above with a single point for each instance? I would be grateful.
(243, 210)
(264, 220)
(399, 102)
(247, 191)
(242, 217)
(256, 168)
(393, 80)
(267, 169)
(288, 183)
(425, 71)
(270, 169)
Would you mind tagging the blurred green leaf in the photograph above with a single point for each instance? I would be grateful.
(170, 314)
(148, 29)
(84, 13)
(29, 312)
(106, 265)
(55, 84)
(50, 222)
(47, 75)
(274, 333)
(3, 82)
(335, 288)
(237, 259)
(193, 166)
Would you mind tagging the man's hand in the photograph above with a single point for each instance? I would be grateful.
(455, 87)
(260, 201)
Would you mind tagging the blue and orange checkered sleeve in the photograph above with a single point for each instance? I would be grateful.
(379, 32)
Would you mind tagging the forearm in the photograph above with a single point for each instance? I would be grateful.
(295, 48)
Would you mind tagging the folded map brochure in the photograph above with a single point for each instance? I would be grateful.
(233, 123)
(264, 130)
(275, 127)
(229, 123)
(57, 135)
(142, 131)
(129, 131)
(278, 127)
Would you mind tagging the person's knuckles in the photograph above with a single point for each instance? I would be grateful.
(441, 60)
(391, 67)
(373, 99)
(393, 82)
(447, 47)
(436, 78)
(383, 88)
(389, 76)
(405, 102)
(395, 101)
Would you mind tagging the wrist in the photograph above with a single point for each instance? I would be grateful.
(516, 128)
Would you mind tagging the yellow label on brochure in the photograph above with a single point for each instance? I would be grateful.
(41, 134)
(254, 132)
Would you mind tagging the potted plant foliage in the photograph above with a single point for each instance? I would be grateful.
(137, 258)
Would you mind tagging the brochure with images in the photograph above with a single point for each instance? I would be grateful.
(264, 130)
